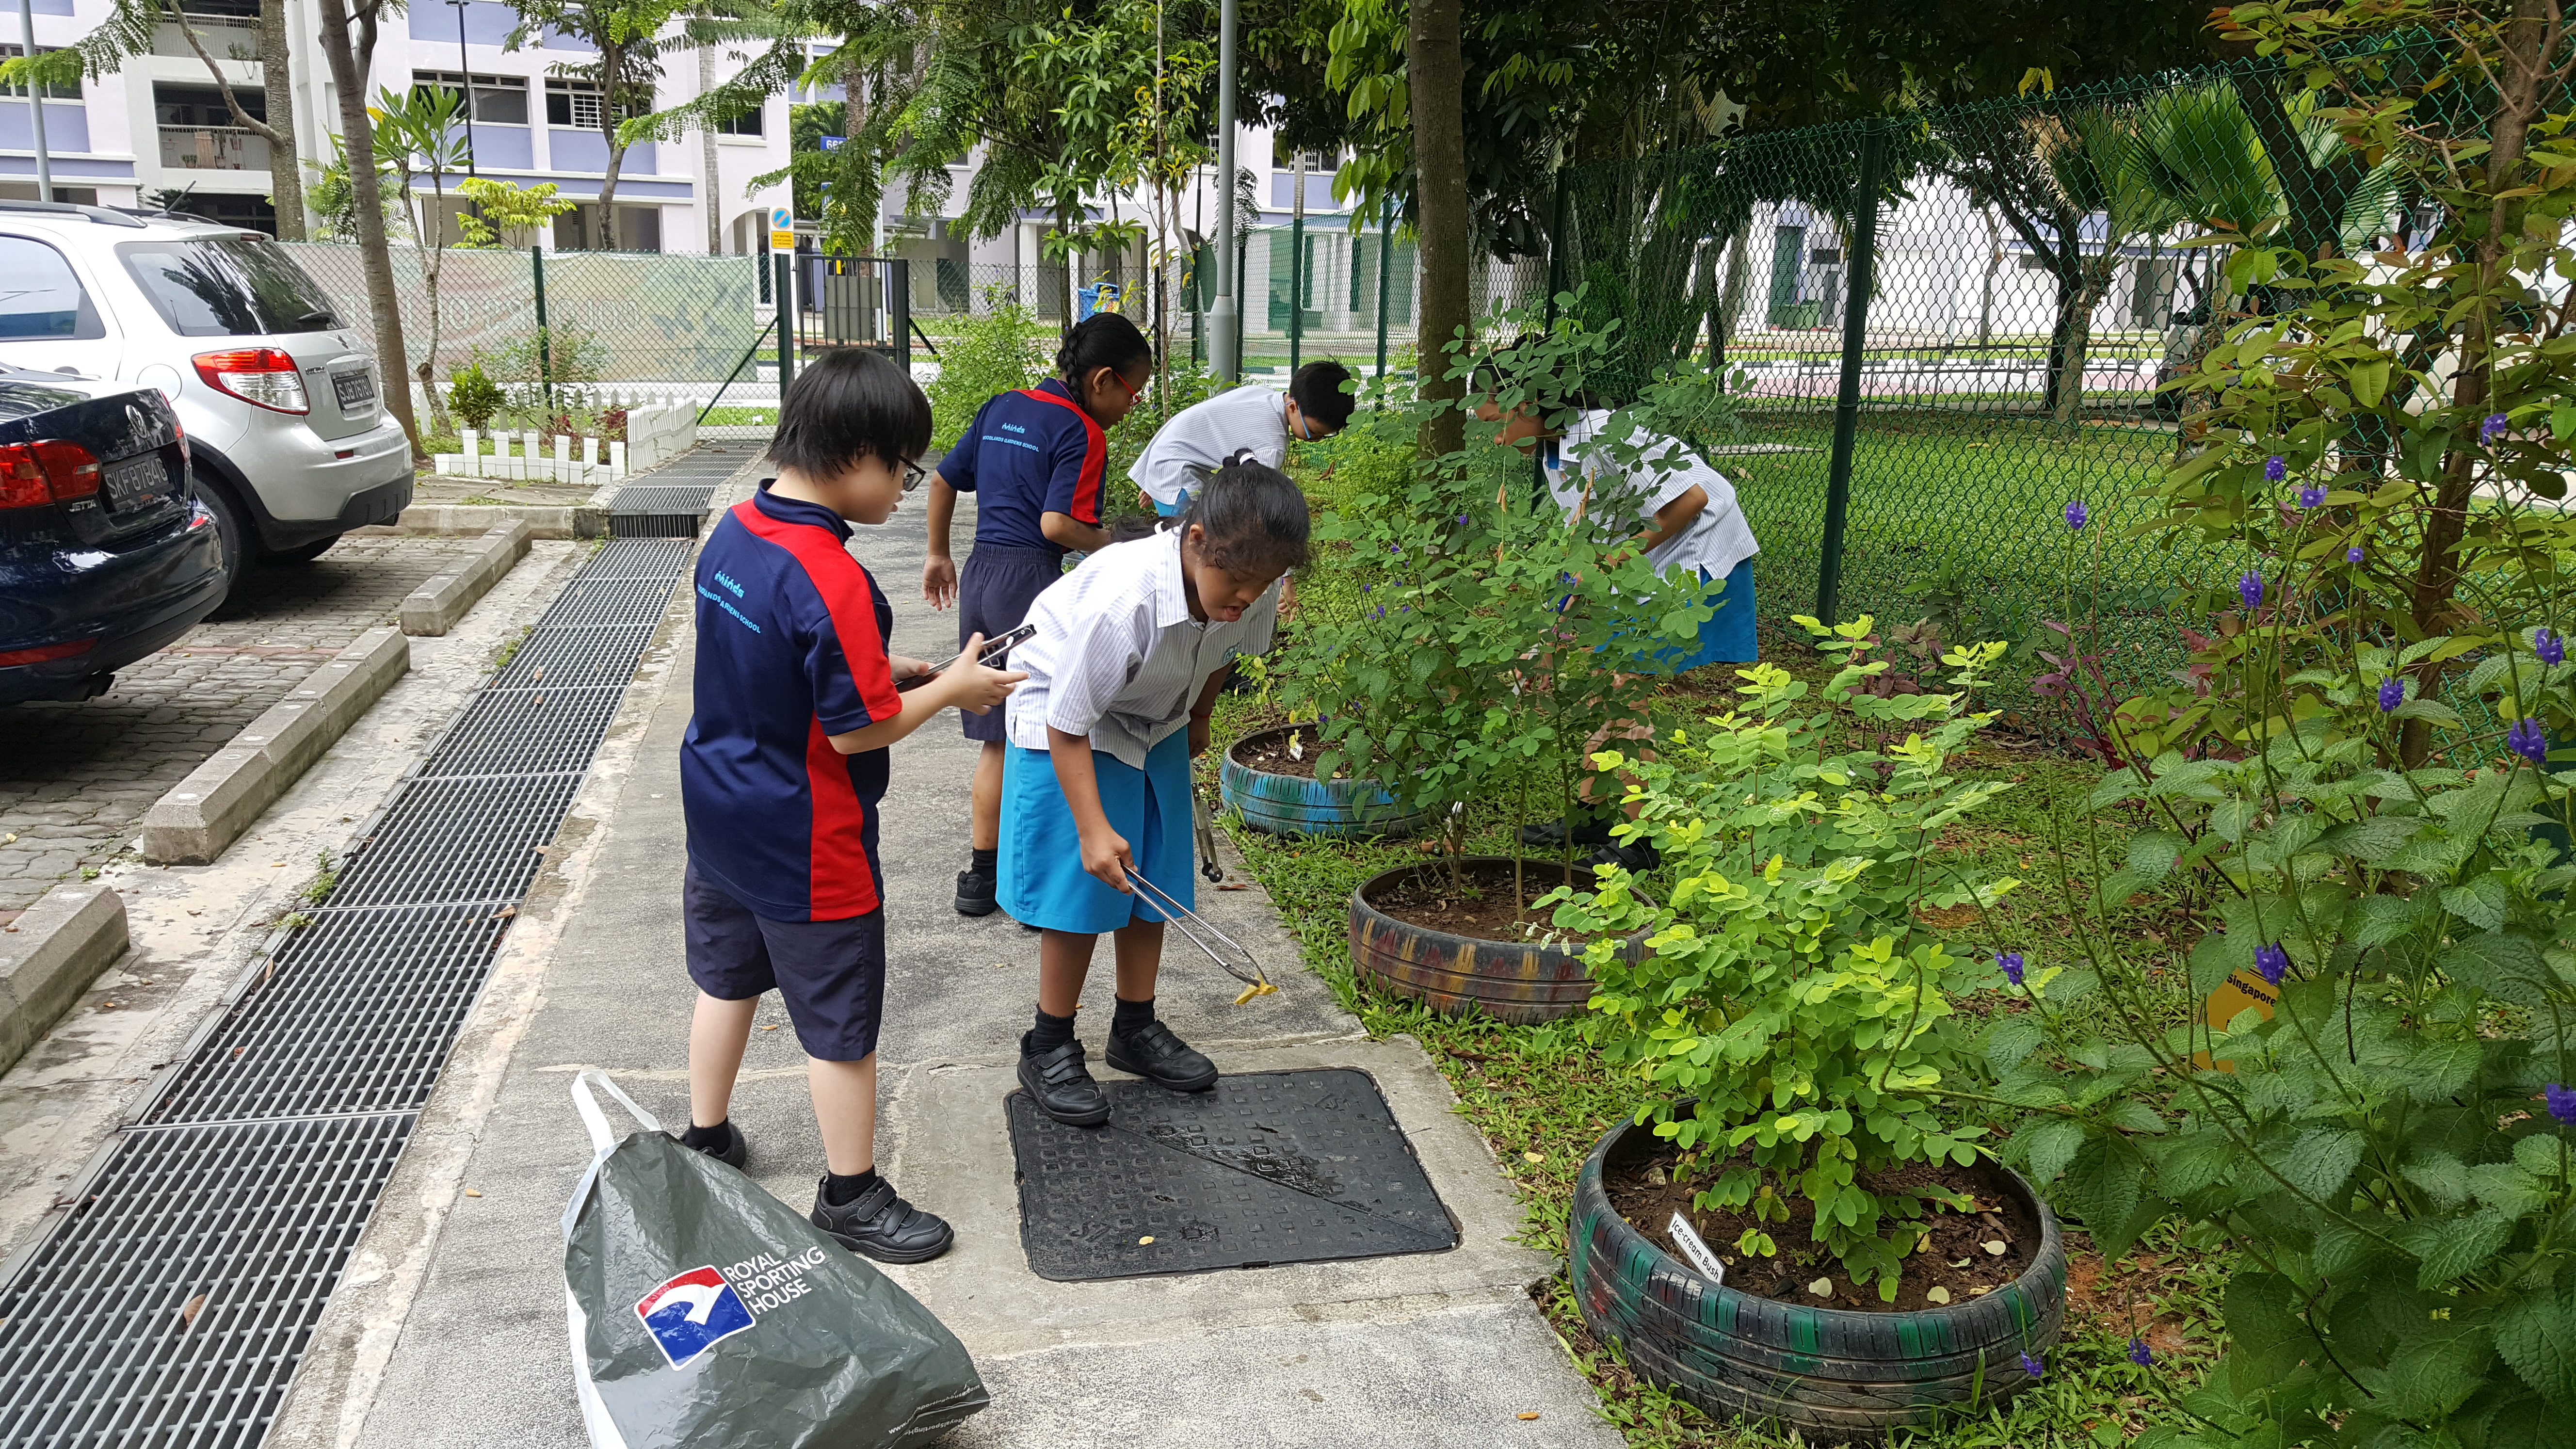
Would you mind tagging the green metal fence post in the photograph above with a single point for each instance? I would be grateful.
(784, 289)
(1858, 272)
(1297, 286)
(545, 340)
(1385, 259)
(1556, 247)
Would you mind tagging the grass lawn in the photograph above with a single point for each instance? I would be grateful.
(1542, 1098)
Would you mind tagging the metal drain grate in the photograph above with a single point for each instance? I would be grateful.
(353, 1014)
(543, 730)
(655, 525)
(172, 1303)
(641, 558)
(456, 840)
(575, 657)
(608, 603)
(662, 498)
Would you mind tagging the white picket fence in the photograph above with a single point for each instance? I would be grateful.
(654, 435)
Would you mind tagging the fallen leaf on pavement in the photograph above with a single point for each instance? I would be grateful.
(1148, 1238)
(1528, 1414)
(188, 1313)
(469, 1192)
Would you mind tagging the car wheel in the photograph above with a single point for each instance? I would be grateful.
(302, 553)
(232, 533)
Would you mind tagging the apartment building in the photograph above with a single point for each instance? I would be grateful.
(158, 132)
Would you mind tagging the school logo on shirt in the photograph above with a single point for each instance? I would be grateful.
(692, 1312)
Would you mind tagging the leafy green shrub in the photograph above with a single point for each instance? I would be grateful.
(472, 395)
(993, 351)
(1786, 984)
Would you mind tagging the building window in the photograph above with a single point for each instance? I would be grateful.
(746, 124)
(578, 103)
(639, 229)
(180, 105)
(501, 99)
(1318, 163)
(70, 92)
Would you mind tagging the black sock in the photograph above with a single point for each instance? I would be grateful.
(840, 1191)
(1131, 1016)
(1051, 1032)
(708, 1139)
(982, 860)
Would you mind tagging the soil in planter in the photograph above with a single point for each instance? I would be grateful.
(1961, 1258)
(1269, 754)
(1430, 897)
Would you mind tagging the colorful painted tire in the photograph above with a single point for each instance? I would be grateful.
(1295, 805)
(1512, 981)
(1831, 1373)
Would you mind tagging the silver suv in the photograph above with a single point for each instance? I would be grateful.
(291, 445)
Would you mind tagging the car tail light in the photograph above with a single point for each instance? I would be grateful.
(44, 653)
(262, 375)
(35, 474)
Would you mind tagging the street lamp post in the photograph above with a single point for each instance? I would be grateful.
(36, 100)
(464, 78)
(1225, 320)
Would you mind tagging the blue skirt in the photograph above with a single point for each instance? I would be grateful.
(1041, 879)
(1727, 635)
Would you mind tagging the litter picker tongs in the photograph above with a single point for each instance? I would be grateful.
(1201, 934)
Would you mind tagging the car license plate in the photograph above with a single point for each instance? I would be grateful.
(134, 484)
(353, 388)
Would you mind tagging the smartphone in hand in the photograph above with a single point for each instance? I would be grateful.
(994, 648)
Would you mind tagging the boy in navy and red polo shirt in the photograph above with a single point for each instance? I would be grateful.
(781, 772)
(1034, 460)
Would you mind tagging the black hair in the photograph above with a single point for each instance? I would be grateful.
(1254, 517)
(1318, 391)
(846, 405)
(1103, 339)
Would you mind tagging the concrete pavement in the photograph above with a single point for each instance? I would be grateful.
(448, 1328)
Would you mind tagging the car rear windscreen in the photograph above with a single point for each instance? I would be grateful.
(227, 287)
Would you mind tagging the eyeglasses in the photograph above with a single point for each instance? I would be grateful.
(912, 475)
(1133, 393)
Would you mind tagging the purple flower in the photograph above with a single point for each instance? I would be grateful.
(2353, 554)
(1462, 518)
(2562, 1102)
(2139, 1353)
(2492, 429)
(1398, 552)
(2274, 470)
(2392, 693)
(2031, 1365)
(2525, 738)
(2272, 962)
(2076, 514)
(2010, 961)
(2550, 645)
(2311, 496)
(2250, 589)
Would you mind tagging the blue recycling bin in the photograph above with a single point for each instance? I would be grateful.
(1098, 297)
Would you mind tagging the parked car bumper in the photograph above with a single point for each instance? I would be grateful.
(305, 480)
(129, 602)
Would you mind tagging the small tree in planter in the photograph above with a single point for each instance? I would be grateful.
(1787, 987)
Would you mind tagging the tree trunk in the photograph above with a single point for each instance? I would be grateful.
(348, 62)
(432, 240)
(1730, 302)
(277, 81)
(2078, 338)
(612, 69)
(714, 197)
(1437, 72)
(1986, 297)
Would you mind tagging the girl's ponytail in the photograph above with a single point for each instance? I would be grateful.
(1103, 339)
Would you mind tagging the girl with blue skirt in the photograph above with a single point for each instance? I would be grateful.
(1130, 652)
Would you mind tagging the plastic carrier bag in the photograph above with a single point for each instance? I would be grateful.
(706, 1312)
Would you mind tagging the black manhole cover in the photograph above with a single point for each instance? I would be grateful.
(1271, 1167)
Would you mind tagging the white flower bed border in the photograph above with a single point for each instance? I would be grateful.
(654, 435)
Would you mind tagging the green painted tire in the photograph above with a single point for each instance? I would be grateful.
(1295, 805)
(1831, 1373)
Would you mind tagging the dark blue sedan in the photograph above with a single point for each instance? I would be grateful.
(105, 553)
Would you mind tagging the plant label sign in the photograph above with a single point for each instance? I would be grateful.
(2241, 990)
(1686, 1238)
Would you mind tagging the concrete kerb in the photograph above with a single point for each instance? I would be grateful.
(221, 798)
(440, 601)
(463, 520)
(49, 955)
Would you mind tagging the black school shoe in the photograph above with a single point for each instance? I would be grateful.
(877, 1224)
(735, 1152)
(975, 893)
(1639, 856)
(1152, 1052)
(1062, 1086)
(1551, 833)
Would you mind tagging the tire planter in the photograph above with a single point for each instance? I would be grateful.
(1514, 981)
(1296, 805)
(1832, 1373)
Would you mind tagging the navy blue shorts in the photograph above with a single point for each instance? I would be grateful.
(994, 591)
(831, 974)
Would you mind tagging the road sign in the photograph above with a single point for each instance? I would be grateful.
(834, 143)
(782, 229)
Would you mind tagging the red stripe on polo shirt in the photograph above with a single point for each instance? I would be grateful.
(841, 884)
(1095, 459)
